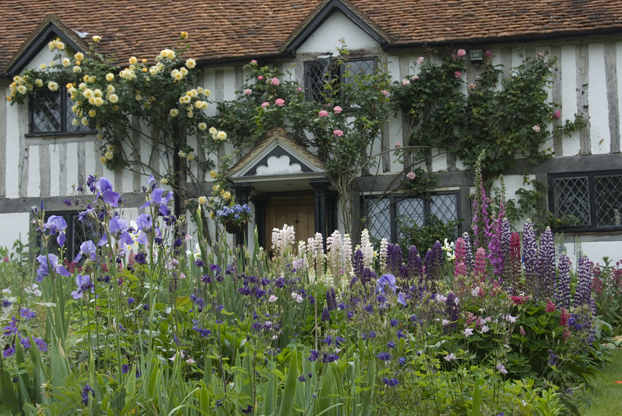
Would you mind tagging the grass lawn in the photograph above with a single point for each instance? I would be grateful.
(607, 400)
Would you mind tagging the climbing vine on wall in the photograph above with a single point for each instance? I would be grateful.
(514, 120)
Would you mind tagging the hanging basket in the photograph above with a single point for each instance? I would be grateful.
(233, 228)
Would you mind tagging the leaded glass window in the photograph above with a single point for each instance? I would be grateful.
(592, 199)
(318, 73)
(50, 112)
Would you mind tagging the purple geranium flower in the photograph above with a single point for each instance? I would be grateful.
(105, 190)
(44, 269)
(88, 249)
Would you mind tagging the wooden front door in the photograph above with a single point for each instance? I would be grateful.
(299, 212)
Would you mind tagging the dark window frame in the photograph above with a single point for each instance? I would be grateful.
(64, 119)
(591, 187)
(70, 235)
(394, 198)
(331, 72)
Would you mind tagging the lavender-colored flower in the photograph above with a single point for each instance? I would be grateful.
(57, 225)
(105, 190)
(429, 267)
(331, 299)
(583, 292)
(394, 257)
(384, 281)
(8, 352)
(43, 347)
(451, 308)
(546, 266)
(26, 313)
(506, 236)
(358, 263)
(562, 292)
(44, 268)
(402, 360)
(415, 265)
(391, 382)
(84, 284)
(314, 356)
(384, 356)
(530, 258)
(118, 228)
(87, 249)
(501, 368)
(495, 253)
(552, 358)
(85, 394)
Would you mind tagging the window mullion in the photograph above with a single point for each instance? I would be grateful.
(591, 187)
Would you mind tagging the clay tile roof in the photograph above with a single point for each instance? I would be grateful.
(225, 29)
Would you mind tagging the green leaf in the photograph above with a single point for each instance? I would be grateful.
(289, 393)
(476, 400)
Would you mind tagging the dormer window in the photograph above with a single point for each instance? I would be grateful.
(50, 113)
(318, 73)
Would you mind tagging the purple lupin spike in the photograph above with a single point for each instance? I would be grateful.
(583, 293)
(546, 265)
(394, 258)
(530, 258)
(358, 263)
(469, 261)
(506, 236)
(562, 295)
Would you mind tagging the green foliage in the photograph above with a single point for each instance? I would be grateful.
(506, 122)
(423, 237)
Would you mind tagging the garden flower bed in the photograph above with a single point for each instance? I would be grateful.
(140, 325)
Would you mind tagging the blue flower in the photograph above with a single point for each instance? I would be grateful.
(384, 356)
(384, 281)
(391, 344)
(394, 322)
(85, 394)
(88, 249)
(302, 378)
(328, 340)
(158, 201)
(118, 228)
(125, 368)
(314, 355)
(402, 360)
(390, 382)
(84, 284)
(105, 190)
(26, 313)
(43, 347)
(130, 300)
(44, 269)
(8, 352)
(57, 225)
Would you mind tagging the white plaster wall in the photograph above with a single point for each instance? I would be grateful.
(571, 145)
(596, 251)
(12, 151)
(72, 167)
(597, 95)
(45, 56)
(55, 170)
(34, 175)
(337, 26)
(14, 227)
(512, 184)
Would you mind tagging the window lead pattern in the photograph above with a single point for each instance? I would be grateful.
(571, 197)
(46, 109)
(608, 200)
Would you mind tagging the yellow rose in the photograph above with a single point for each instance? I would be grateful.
(212, 130)
(216, 188)
(97, 93)
(174, 112)
(213, 174)
(221, 135)
(78, 56)
(226, 195)
(100, 136)
(22, 90)
(191, 63)
(183, 35)
(202, 126)
(145, 69)
(202, 200)
(110, 88)
(178, 76)
(182, 154)
(133, 60)
(115, 108)
(109, 155)
(77, 69)
(109, 77)
(66, 62)
(103, 159)
(190, 158)
(164, 181)
(75, 122)
(43, 66)
(183, 71)
(92, 113)
(84, 121)
(138, 97)
(97, 38)
(113, 99)
(207, 92)
(88, 93)
(99, 101)
(52, 86)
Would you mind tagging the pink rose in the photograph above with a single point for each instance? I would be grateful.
(536, 129)
(275, 81)
(414, 77)
(472, 86)
(265, 104)
(405, 81)
(458, 74)
(337, 133)
(337, 110)
(384, 92)
(247, 91)
(253, 61)
(323, 113)
(420, 60)
(299, 89)
(488, 54)
(398, 145)
(279, 101)
(260, 77)
(461, 52)
(411, 175)
(557, 114)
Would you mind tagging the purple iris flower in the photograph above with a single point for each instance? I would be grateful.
(84, 284)
(44, 269)
(156, 199)
(105, 190)
(384, 281)
(144, 223)
(88, 249)
(151, 182)
(118, 229)
(400, 299)
(57, 225)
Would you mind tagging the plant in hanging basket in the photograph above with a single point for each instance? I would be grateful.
(234, 217)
